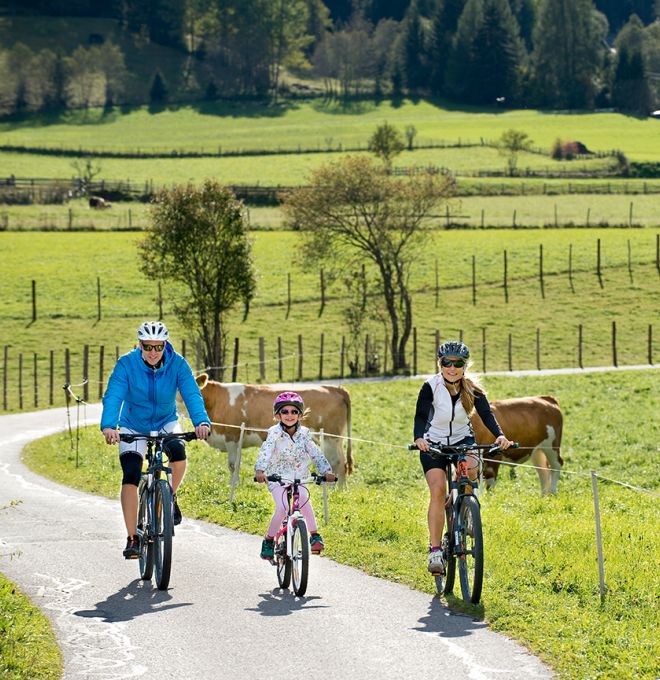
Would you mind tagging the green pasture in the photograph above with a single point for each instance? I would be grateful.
(579, 210)
(322, 124)
(65, 267)
(541, 581)
(28, 648)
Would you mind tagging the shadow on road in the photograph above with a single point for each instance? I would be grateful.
(282, 603)
(137, 598)
(442, 620)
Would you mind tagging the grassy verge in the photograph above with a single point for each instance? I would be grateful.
(541, 583)
(28, 648)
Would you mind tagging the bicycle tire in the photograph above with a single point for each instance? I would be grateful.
(163, 530)
(283, 562)
(299, 558)
(450, 566)
(471, 559)
(146, 559)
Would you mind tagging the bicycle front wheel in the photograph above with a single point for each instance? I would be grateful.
(471, 555)
(144, 532)
(163, 524)
(299, 557)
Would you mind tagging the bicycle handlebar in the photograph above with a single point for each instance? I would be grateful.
(448, 449)
(316, 478)
(129, 438)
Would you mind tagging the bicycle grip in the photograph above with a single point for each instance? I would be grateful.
(413, 447)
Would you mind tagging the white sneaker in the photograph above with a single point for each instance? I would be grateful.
(436, 563)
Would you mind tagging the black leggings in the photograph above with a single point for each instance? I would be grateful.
(131, 461)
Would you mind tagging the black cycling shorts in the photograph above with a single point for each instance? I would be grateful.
(430, 462)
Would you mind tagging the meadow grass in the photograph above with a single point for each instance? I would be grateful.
(322, 124)
(28, 648)
(541, 581)
(530, 211)
(67, 304)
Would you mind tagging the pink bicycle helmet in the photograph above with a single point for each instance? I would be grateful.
(288, 399)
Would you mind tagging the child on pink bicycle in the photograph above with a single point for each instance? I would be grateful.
(288, 451)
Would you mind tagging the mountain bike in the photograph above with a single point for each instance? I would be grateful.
(462, 543)
(155, 525)
(291, 549)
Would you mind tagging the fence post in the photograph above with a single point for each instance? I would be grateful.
(4, 377)
(541, 270)
(506, 278)
(630, 273)
(34, 300)
(599, 538)
(36, 382)
(20, 381)
(199, 355)
(651, 344)
(101, 357)
(514, 218)
(630, 215)
(570, 266)
(483, 347)
(556, 222)
(657, 252)
(366, 354)
(437, 284)
(236, 472)
(580, 346)
(598, 272)
(325, 486)
(322, 291)
(98, 298)
(288, 294)
(510, 353)
(321, 358)
(67, 366)
(51, 373)
(342, 357)
(614, 357)
(538, 349)
(385, 346)
(414, 350)
(279, 358)
(234, 368)
(262, 357)
(482, 218)
(300, 357)
(85, 372)
(588, 216)
(474, 280)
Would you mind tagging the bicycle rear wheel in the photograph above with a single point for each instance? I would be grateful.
(144, 531)
(448, 542)
(299, 557)
(283, 562)
(471, 556)
(163, 526)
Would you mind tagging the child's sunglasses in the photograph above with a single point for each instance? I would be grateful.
(286, 412)
(458, 363)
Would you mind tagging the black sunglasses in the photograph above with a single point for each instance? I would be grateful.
(293, 412)
(458, 363)
(157, 348)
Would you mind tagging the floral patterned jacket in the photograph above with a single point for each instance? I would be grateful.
(290, 457)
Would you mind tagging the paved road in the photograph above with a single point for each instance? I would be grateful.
(222, 616)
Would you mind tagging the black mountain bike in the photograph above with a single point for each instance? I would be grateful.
(155, 525)
(463, 543)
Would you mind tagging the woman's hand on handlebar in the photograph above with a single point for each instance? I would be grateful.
(422, 444)
(111, 435)
(203, 431)
(502, 442)
(260, 476)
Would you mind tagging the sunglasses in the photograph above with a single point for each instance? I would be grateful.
(458, 363)
(293, 412)
(155, 348)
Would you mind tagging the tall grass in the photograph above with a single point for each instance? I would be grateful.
(541, 583)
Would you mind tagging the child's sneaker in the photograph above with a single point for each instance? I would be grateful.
(267, 549)
(316, 543)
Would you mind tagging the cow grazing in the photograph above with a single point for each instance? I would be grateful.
(536, 424)
(99, 203)
(236, 403)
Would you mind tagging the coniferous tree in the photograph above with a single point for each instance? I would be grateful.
(445, 21)
(630, 91)
(568, 49)
(460, 74)
(524, 11)
(158, 93)
(414, 51)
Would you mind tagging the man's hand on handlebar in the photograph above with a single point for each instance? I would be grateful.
(502, 442)
(111, 435)
(203, 431)
(422, 444)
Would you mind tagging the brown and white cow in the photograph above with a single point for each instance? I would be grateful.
(236, 403)
(536, 424)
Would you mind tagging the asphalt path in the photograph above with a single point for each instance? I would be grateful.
(223, 616)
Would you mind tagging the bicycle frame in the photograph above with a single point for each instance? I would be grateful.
(294, 513)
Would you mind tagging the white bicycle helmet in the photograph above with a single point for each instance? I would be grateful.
(153, 330)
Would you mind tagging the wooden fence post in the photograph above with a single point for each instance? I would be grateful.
(385, 349)
(36, 382)
(183, 348)
(86, 372)
(366, 354)
(288, 294)
(51, 375)
(599, 538)
(588, 216)
(279, 358)
(198, 359)
(67, 366)
(541, 270)
(5, 366)
(321, 357)
(651, 344)
(580, 346)
(20, 381)
(657, 252)
(630, 215)
(506, 278)
(414, 350)
(474, 280)
(630, 272)
(236, 472)
(614, 354)
(98, 298)
(437, 284)
(322, 291)
(483, 348)
(538, 349)
(34, 300)
(342, 356)
(101, 357)
(300, 357)
(510, 353)
(598, 271)
(234, 368)
(262, 359)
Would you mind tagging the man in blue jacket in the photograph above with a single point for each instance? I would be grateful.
(140, 399)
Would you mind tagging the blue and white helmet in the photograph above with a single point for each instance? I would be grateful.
(454, 348)
(153, 330)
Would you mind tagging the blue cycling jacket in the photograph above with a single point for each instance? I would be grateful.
(144, 399)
